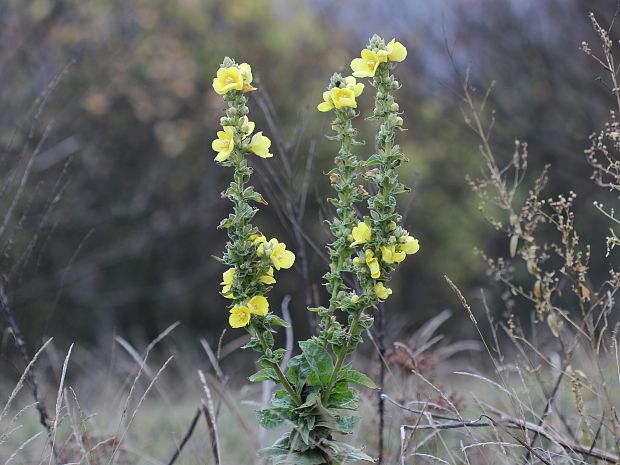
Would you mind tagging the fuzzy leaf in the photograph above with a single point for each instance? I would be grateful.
(269, 418)
(264, 375)
(357, 378)
(319, 360)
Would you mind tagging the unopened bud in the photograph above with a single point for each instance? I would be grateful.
(334, 178)
(394, 106)
(399, 121)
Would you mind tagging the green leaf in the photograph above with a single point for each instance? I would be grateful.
(357, 378)
(298, 371)
(342, 397)
(346, 424)
(278, 456)
(282, 399)
(276, 321)
(345, 452)
(269, 418)
(319, 360)
(266, 374)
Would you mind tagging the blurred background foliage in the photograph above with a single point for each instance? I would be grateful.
(107, 115)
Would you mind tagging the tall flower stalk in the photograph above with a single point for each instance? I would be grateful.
(318, 385)
(250, 257)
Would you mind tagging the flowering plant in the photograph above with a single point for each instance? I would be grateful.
(317, 385)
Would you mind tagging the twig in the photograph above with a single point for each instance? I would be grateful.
(44, 418)
(207, 409)
(186, 438)
(507, 421)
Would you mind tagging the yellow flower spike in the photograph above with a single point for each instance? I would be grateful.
(381, 291)
(260, 145)
(410, 246)
(267, 278)
(239, 316)
(224, 143)
(280, 257)
(373, 264)
(258, 305)
(367, 65)
(326, 104)
(228, 79)
(361, 234)
(396, 51)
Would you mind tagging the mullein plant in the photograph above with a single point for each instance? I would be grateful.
(317, 386)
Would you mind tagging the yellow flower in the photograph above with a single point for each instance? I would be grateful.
(260, 145)
(248, 126)
(239, 316)
(343, 98)
(396, 51)
(381, 291)
(267, 278)
(366, 66)
(227, 280)
(228, 79)
(361, 234)
(258, 305)
(389, 254)
(258, 239)
(280, 257)
(339, 97)
(228, 276)
(224, 143)
(246, 73)
(410, 246)
(327, 103)
(373, 264)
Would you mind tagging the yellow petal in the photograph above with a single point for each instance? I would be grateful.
(387, 254)
(343, 98)
(260, 145)
(258, 305)
(239, 316)
(358, 89)
(410, 246)
(228, 276)
(325, 106)
(375, 269)
(282, 258)
(246, 72)
(227, 79)
(361, 234)
(360, 69)
(396, 51)
(381, 291)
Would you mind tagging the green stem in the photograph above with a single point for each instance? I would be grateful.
(281, 376)
(342, 354)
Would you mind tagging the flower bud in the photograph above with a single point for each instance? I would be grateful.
(394, 106)
(399, 121)
(334, 178)
(391, 226)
